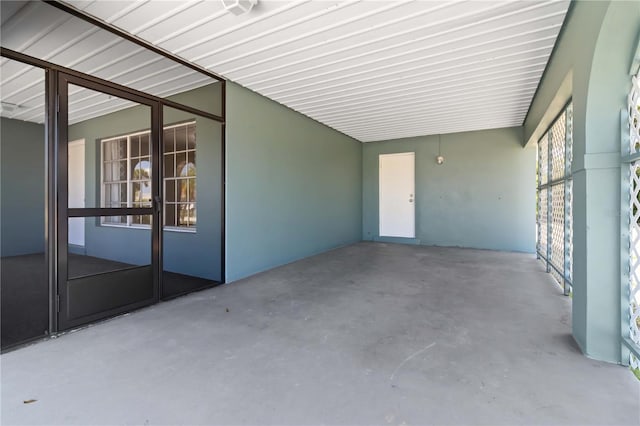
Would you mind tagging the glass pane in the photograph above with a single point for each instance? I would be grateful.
(24, 285)
(144, 145)
(108, 244)
(181, 162)
(114, 220)
(141, 220)
(192, 254)
(115, 195)
(168, 140)
(191, 136)
(206, 98)
(170, 214)
(114, 149)
(186, 215)
(142, 194)
(135, 146)
(193, 214)
(169, 166)
(181, 138)
(141, 169)
(108, 175)
(118, 170)
(170, 190)
(191, 191)
(107, 150)
(182, 190)
(111, 271)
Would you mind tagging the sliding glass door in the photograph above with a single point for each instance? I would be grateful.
(109, 201)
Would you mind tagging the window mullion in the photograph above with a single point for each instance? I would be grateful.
(129, 184)
(549, 199)
(568, 190)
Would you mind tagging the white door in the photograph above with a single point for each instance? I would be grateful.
(76, 191)
(397, 190)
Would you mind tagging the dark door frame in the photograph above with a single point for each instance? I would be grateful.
(65, 320)
(53, 131)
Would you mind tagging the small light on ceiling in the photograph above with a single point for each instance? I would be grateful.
(239, 7)
(7, 107)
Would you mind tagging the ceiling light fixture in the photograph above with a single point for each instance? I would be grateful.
(7, 107)
(239, 7)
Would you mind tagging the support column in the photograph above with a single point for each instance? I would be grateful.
(596, 296)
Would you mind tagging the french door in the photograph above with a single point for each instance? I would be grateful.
(117, 268)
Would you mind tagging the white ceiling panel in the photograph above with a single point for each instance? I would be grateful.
(8, 11)
(183, 19)
(42, 31)
(370, 69)
(455, 82)
(399, 40)
(354, 35)
(413, 51)
(219, 24)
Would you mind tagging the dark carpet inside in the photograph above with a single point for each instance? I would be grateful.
(24, 291)
(24, 295)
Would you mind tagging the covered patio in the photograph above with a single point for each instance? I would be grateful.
(372, 333)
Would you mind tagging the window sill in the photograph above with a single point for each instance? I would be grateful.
(148, 228)
(180, 230)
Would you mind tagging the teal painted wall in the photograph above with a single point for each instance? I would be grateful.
(590, 64)
(483, 196)
(294, 186)
(22, 187)
(197, 254)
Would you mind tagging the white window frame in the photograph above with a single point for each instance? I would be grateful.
(178, 178)
(130, 181)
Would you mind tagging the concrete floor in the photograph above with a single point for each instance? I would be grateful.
(368, 334)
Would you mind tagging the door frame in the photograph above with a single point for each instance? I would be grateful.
(64, 212)
(52, 128)
(413, 196)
